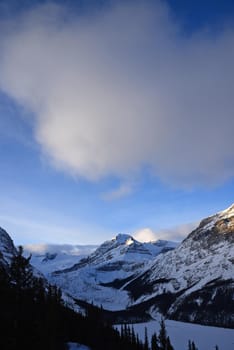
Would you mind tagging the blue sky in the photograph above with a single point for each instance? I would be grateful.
(115, 116)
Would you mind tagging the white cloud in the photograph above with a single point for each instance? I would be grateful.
(59, 248)
(123, 89)
(145, 235)
(175, 233)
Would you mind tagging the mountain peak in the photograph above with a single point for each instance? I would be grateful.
(227, 212)
(215, 228)
(123, 238)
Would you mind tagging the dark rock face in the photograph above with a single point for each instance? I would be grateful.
(7, 248)
(216, 228)
(212, 305)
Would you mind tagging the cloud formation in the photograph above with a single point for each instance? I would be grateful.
(59, 248)
(176, 233)
(145, 235)
(124, 89)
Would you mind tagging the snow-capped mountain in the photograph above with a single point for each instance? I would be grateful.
(51, 257)
(101, 276)
(191, 281)
(195, 281)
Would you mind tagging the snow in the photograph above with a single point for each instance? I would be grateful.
(123, 238)
(222, 215)
(227, 213)
(116, 259)
(205, 337)
(83, 284)
(49, 258)
(59, 262)
(190, 266)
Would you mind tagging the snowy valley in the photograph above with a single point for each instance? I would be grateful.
(140, 282)
(191, 281)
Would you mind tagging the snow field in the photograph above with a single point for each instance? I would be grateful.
(205, 337)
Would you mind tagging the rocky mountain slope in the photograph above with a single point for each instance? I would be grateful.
(100, 277)
(194, 282)
(7, 248)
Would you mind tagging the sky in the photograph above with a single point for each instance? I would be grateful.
(115, 116)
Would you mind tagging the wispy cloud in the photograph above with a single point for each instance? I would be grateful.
(59, 248)
(123, 89)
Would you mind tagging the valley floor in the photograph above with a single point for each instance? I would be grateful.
(205, 337)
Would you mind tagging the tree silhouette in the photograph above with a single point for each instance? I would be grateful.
(154, 342)
(21, 271)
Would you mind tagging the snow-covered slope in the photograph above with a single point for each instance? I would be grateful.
(49, 258)
(192, 281)
(195, 281)
(205, 337)
(100, 277)
(50, 262)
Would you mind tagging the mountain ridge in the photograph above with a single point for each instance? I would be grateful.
(113, 262)
(192, 281)
(195, 275)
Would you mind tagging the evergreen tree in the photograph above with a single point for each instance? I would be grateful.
(33, 317)
(154, 342)
(129, 335)
(122, 331)
(138, 342)
(193, 346)
(133, 336)
(146, 341)
(169, 346)
(4, 280)
(162, 336)
(21, 273)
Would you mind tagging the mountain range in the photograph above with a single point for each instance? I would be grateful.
(191, 281)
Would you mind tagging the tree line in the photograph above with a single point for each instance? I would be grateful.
(34, 316)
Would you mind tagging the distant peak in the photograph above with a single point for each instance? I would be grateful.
(123, 238)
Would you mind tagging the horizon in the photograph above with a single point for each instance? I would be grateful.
(115, 116)
(73, 249)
